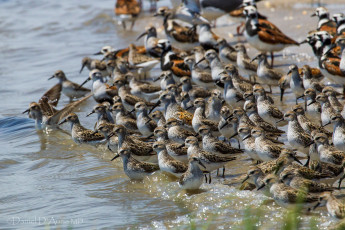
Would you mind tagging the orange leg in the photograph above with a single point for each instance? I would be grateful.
(239, 27)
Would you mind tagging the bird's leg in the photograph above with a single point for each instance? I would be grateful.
(209, 178)
(270, 88)
(239, 144)
(272, 59)
(340, 180)
(205, 178)
(223, 171)
(124, 25)
(217, 172)
(132, 24)
(239, 28)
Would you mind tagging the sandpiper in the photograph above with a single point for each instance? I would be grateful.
(144, 123)
(212, 144)
(327, 152)
(142, 89)
(128, 100)
(227, 53)
(207, 38)
(113, 141)
(313, 108)
(266, 110)
(174, 149)
(80, 134)
(92, 64)
(265, 148)
(210, 160)
(296, 82)
(266, 74)
(166, 162)
(140, 150)
(133, 168)
(248, 142)
(193, 178)
(46, 116)
(252, 112)
(338, 131)
(310, 75)
(69, 88)
(216, 65)
(103, 115)
(158, 117)
(199, 75)
(332, 98)
(227, 125)
(242, 84)
(243, 60)
(297, 137)
(199, 53)
(326, 109)
(335, 207)
(285, 195)
(166, 78)
(199, 118)
(193, 92)
(122, 118)
(214, 105)
(231, 95)
(300, 183)
(177, 132)
(186, 102)
(101, 91)
(151, 41)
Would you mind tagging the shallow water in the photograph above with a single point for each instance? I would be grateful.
(47, 181)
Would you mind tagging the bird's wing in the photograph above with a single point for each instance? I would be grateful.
(53, 94)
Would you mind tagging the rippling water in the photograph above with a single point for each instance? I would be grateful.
(47, 181)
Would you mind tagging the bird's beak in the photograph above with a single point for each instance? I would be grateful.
(245, 138)
(248, 96)
(116, 156)
(98, 53)
(131, 111)
(88, 79)
(254, 59)
(289, 72)
(309, 144)
(181, 146)
(233, 135)
(82, 67)
(280, 120)
(202, 59)
(245, 179)
(150, 119)
(263, 185)
(94, 132)
(51, 77)
(225, 124)
(300, 97)
(92, 112)
(152, 135)
(157, 79)
(141, 35)
(200, 163)
(190, 107)
(326, 124)
(64, 121)
(110, 135)
(317, 205)
(297, 160)
(304, 41)
(155, 105)
(26, 111)
(313, 15)
(311, 103)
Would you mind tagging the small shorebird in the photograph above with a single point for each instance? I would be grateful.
(69, 88)
(210, 160)
(199, 75)
(177, 132)
(296, 136)
(159, 118)
(266, 149)
(193, 92)
(266, 74)
(216, 65)
(231, 95)
(106, 129)
(326, 109)
(80, 134)
(122, 118)
(46, 116)
(338, 131)
(327, 152)
(151, 41)
(166, 162)
(140, 61)
(192, 179)
(207, 38)
(166, 78)
(103, 115)
(145, 124)
(101, 91)
(199, 118)
(263, 38)
(227, 53)
(296, 82)
(174, 149)
(248, 142)
(243, 60)
(332, 98)
(335, 207)
(214, 105)
(133, 168)
(285, 195)
(312, 108)
(127, 10)
(92, 64)
(142, 89)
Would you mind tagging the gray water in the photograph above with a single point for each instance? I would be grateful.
(47, 181)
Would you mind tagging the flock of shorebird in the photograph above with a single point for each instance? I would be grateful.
(182, 122)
